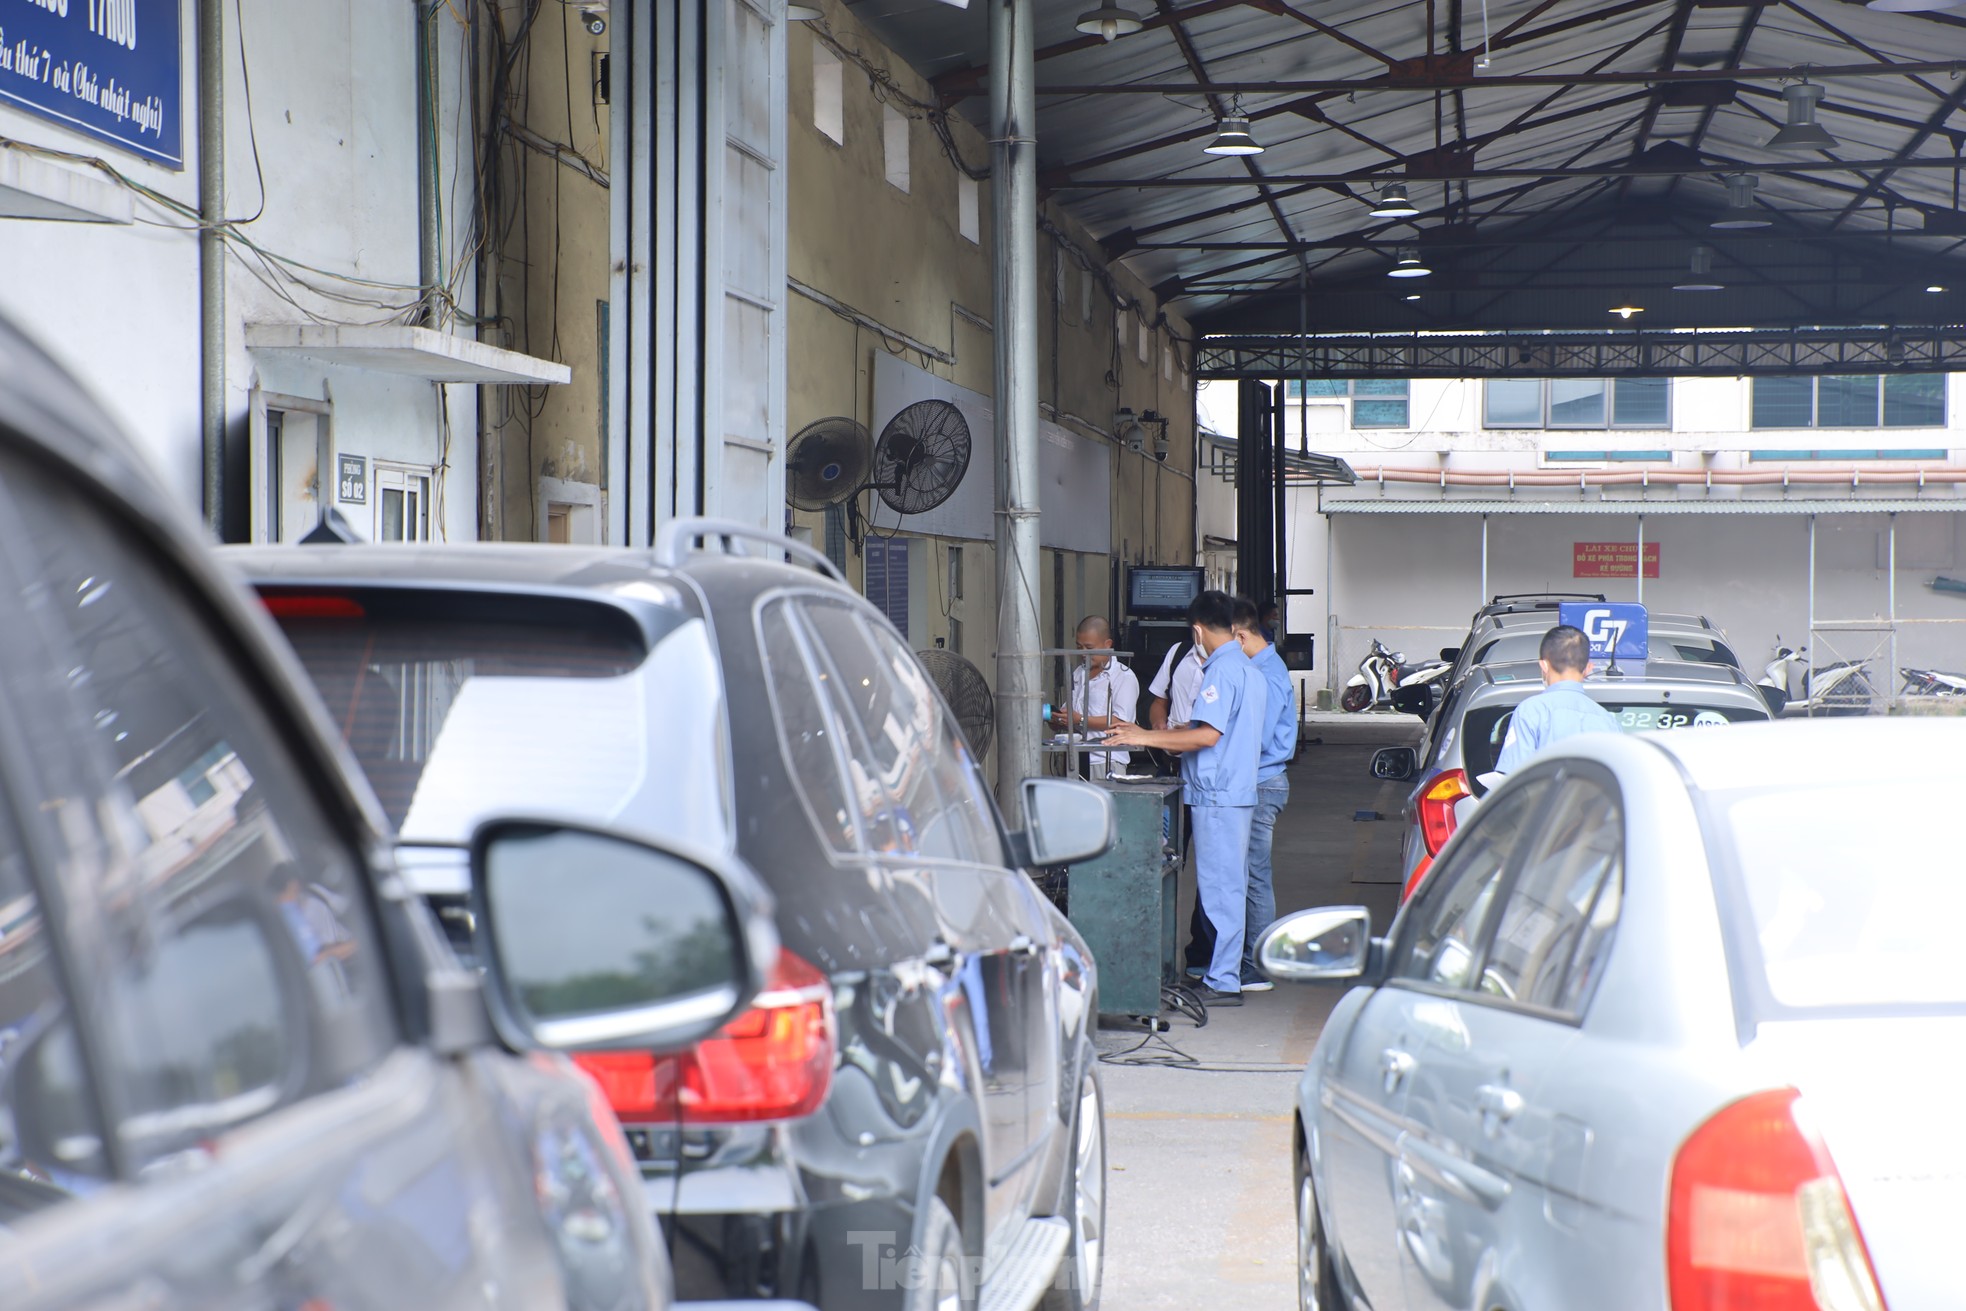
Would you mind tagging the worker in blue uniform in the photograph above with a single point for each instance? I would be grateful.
(1562, 709)
(1221, 750)
(1279, 747)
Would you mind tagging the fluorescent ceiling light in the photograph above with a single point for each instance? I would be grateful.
(1109, 21)
(1232, 138)
(1741, 211)
(1393, 202)
(1409, 266)
(1803, 131)
(1701, 276)
(1935, 287)
(1413, 295)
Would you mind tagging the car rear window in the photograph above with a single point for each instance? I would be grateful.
(1845, 897)
(461, 705)
(1685, 647)
(1485, 728)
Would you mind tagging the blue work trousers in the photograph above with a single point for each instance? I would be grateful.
(1261, 898)
(1221, 842)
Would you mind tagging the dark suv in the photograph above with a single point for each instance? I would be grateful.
(913, 1101)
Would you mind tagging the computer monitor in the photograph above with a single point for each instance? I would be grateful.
(1156, 590)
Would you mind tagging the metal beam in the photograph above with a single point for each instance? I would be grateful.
(1731, 354)
(1443, 80)
(1471, 173)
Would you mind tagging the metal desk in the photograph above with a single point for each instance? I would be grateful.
(1124, 902)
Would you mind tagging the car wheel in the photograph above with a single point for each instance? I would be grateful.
(1355, 698)
(942, 1282)
(1081, 1274)
(1316, 1289)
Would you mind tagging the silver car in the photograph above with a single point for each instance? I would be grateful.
(1677, 1021)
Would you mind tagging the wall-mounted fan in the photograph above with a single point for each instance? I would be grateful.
(962, 685)
(921, 457)
(827, 462)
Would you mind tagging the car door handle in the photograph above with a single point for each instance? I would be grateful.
(1397, 1065)
(1498, 1105)
(1022, 945)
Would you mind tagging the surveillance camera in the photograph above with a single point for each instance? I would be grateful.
(595, 20)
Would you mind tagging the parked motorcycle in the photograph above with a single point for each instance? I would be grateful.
(1380, 672)
(1843, 688)
(1932, 682)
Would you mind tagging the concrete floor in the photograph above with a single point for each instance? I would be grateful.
(1199, 1208)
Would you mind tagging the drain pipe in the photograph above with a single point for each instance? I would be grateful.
(211, 259)
(428, 240)
(1014, 182)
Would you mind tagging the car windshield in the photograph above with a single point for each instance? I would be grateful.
(1689, 648)
(463, 706)
(1485, 728)
(1841, 907)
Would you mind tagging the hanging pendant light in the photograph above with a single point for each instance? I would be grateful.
(1109, 21)
(1232, 137)
(1624, 309)
(1741, 211)
(1409, 265)
(1393, 202)
(1700, 277)
(1803, 131)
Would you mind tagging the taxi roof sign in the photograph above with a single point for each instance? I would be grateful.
(1617, 630)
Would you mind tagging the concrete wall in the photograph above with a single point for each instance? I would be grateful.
(905, 280)
(321, 172)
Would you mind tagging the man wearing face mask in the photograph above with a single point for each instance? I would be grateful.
(1221, 748)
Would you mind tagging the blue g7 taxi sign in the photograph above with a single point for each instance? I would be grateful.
(1616, 629)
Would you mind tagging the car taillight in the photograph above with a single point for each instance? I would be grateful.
(1437, 803)
(1758, 1219)
(773, 1062)
(1413, 879)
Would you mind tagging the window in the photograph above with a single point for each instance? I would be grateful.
(1143, 339)
(828, 93)
(1577, 403)
(969, 210)
(402, 503)
(1376, 402)
(1562, 906)
(806, 733)
(1455, 900)
(1085, 297)
(894, 142)
(1899, 400)
(1167, 363)
(239, 970)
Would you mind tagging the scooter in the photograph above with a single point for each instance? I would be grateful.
(1843, 688)
(1380, 672)
(1932, 682)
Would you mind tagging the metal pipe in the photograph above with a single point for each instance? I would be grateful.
(1483, 598)
(211, 258)
(1891, 681)
(1279, 580)
(1014, 195)
(1811, 635)
(1833, 476)
(428, 240)
(1639, 568)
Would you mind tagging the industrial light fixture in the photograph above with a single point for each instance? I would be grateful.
(1741, 211)
(802, 13)
(1935, 287)
(1393, 202)
(1409, 265)
(1803, 131)
(1624, 309)
(1232, 137)
(1109, 21)
(1412, 295)
(1700, 278)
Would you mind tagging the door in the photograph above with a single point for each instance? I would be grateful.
(1380, 1205)
(224, 1041)
(1497, 1161)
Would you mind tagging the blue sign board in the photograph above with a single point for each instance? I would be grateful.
(110, 68)
(1617, 629)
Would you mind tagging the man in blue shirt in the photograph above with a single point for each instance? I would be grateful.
(1221, 749)
(1562, 709)
(1272, 784)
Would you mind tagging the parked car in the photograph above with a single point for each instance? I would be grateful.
(1511, 630)
(1466, 736)
(915, 1096)
(1676, 1021)
(239, 1068)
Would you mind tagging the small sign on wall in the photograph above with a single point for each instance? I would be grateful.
(352, 479)
(1612, 560)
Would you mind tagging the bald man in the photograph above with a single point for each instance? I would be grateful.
(1105, 693)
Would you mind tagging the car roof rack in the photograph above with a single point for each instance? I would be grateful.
(680, 539)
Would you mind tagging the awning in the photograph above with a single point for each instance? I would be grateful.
(403, 349)
(1632, 508)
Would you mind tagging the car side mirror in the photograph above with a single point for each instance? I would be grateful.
(1065, 821)
(1331, 943)
(1776, 697)
(1413, 699)
(1450, 654)
(1395, 764)
(596, 941)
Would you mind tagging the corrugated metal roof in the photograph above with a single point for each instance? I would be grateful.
(1578, 243)
(1634, 508)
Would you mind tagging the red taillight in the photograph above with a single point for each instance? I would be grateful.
(1437, 802)
(311, 605)
(1758, 1219)
(773, 1062)
(1413, 879)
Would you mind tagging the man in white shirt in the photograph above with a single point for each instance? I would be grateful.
(1105, 694)
(1175, 685)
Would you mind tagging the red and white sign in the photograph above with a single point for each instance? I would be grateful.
(1612, 560)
